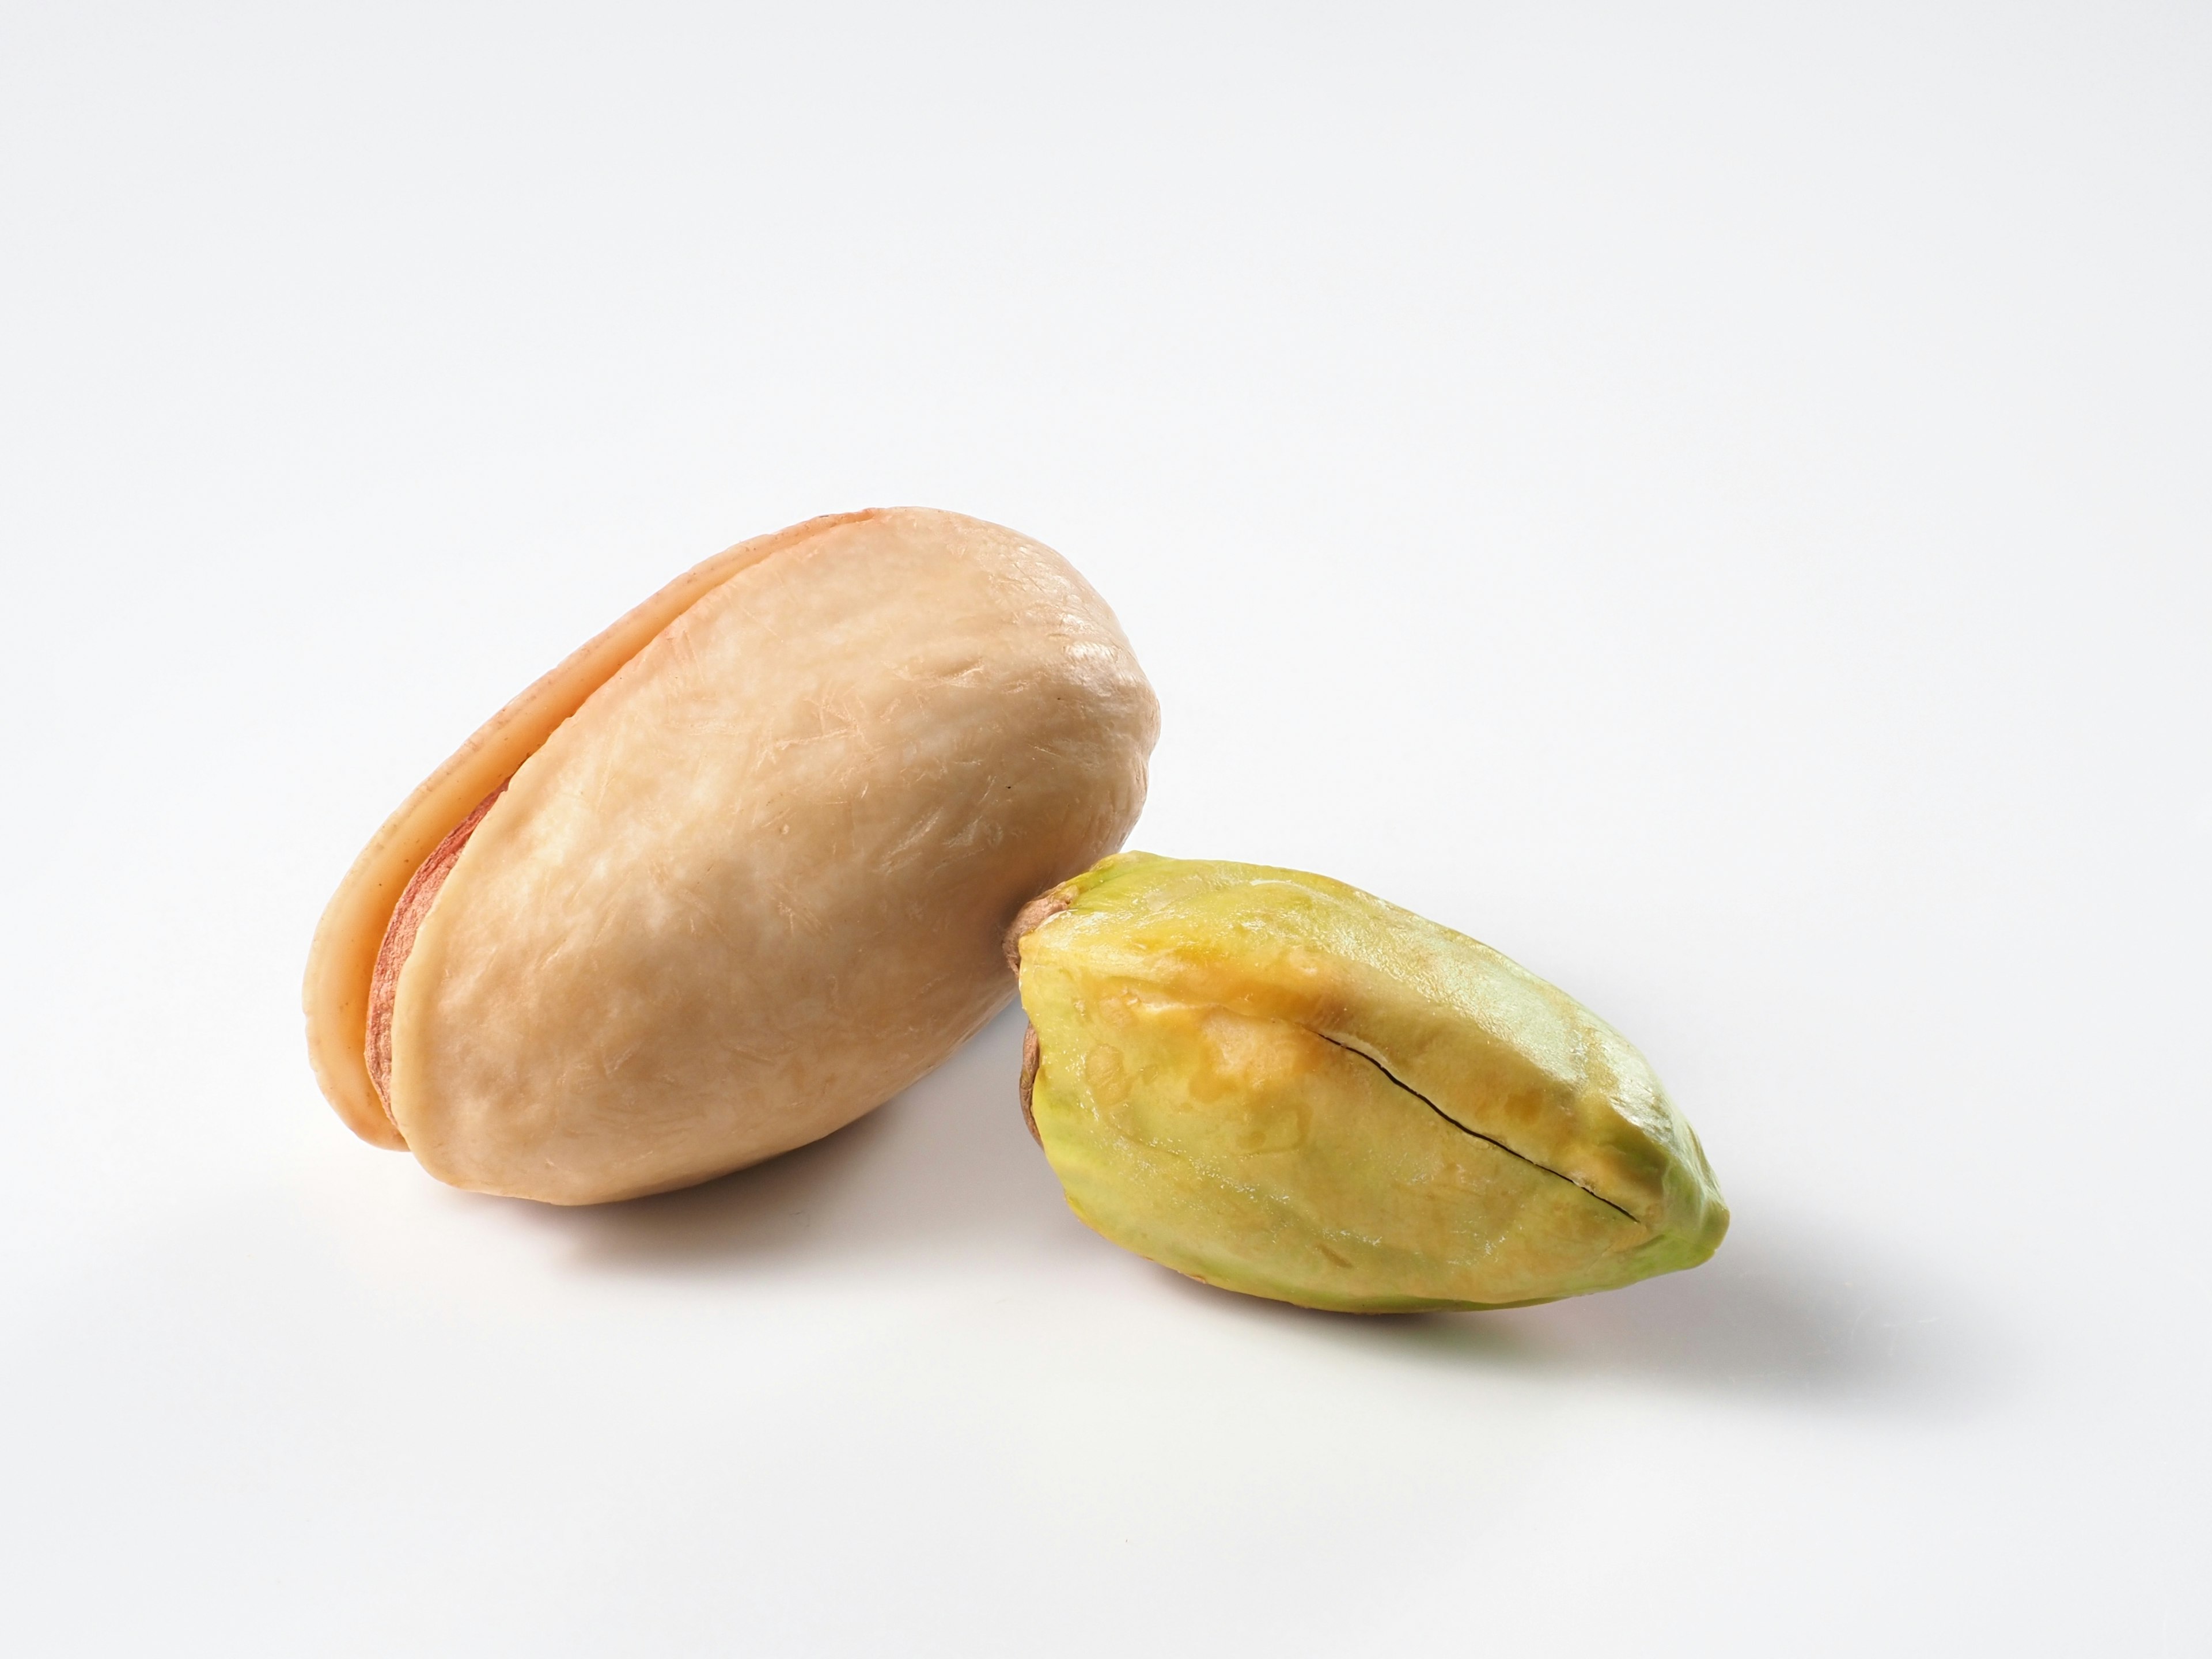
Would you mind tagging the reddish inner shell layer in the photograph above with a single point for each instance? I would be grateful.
(400, 939)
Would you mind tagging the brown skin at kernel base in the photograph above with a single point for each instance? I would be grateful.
(1032, 1057)
(400, 939)
(1033, 915)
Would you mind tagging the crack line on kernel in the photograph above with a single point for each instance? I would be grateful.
(1464, 1129)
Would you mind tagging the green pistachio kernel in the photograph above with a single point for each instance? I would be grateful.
(1282, 1085)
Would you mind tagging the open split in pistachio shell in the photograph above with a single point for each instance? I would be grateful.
(1280, 1085)
(736, 872)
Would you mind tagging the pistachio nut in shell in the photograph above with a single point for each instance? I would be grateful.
(1280, 1085)
(737, 870)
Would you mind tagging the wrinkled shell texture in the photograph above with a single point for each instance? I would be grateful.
(356, 926)
(1278, 1084)
(755, 885)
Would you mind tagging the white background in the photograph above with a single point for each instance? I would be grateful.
(1713, 502)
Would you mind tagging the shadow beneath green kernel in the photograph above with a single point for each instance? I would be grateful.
(946, 1175)
(1778, 1314)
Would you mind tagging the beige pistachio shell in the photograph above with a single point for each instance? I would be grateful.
(343, 956)
(749, 877)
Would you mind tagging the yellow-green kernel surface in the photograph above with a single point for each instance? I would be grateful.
(1280, 1085)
